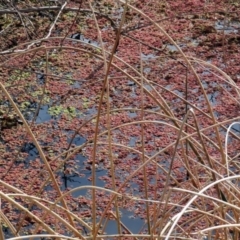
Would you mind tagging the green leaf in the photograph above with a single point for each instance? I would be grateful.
(25, 105)
(55, 110)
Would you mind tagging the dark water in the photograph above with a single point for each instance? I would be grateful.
(73, 181)
(43, 115)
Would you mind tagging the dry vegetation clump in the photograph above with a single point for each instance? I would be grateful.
(119, 120)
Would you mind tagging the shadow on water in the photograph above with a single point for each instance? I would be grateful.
(76, 180)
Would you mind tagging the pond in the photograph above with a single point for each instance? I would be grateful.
(139, 113)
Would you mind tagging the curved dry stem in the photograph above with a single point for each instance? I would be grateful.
(209, 164)
(226, 143)
(106, 86)
(5, 220)
(190, 66)
(38, 148)
(12, 201)
(37, 201)
(195, 197)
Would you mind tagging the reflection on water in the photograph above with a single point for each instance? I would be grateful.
(43, 115)
(227, 27)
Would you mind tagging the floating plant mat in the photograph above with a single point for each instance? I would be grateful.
(58, 87)
(67, 104)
